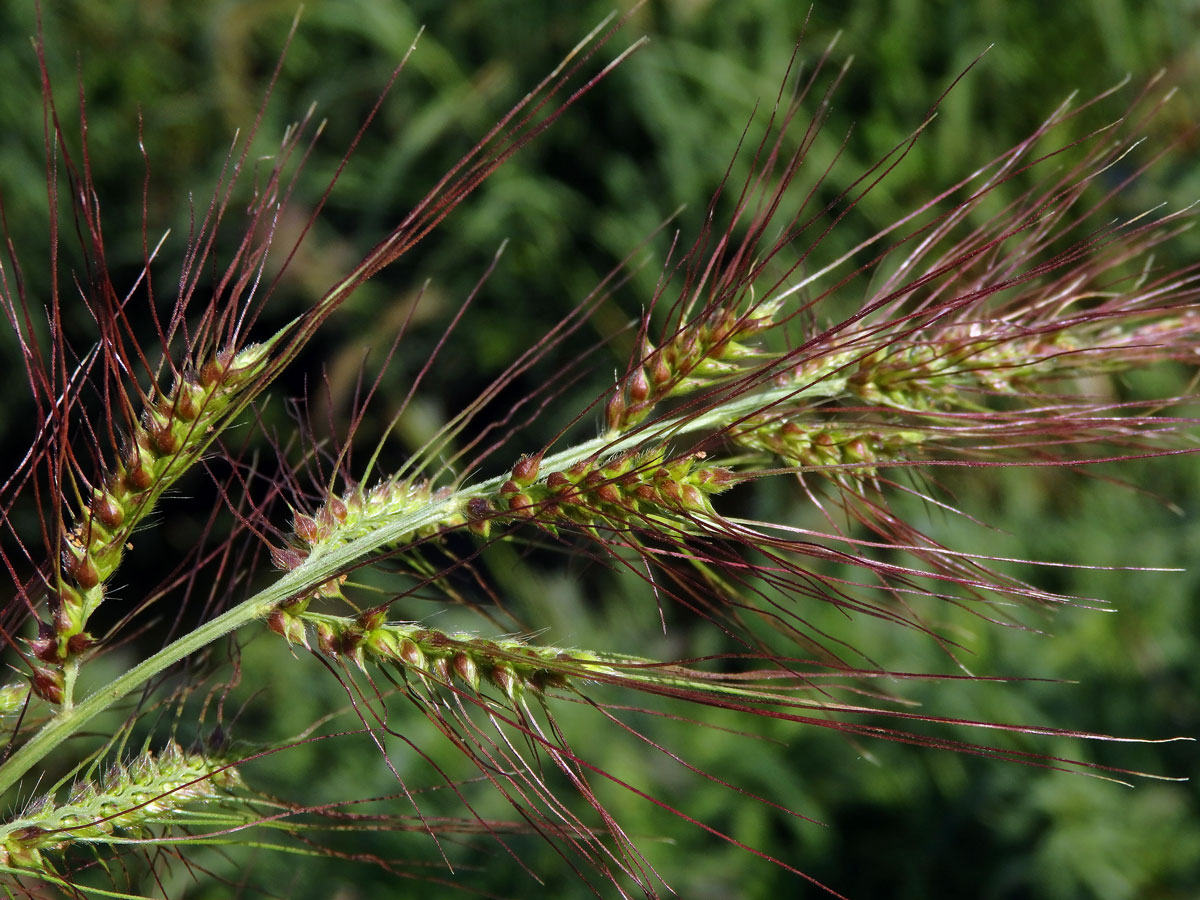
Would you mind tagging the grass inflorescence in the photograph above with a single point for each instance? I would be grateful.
(745, 485)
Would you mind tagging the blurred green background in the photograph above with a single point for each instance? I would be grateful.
(658, 134)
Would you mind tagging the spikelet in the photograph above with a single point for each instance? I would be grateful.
(12, 698)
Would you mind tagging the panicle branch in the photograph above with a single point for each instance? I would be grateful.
(138, 799)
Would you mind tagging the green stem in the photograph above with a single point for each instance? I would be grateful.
(325, 563)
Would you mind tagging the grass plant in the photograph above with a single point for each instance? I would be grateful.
(764, 454)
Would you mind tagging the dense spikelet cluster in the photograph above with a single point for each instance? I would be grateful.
(170, 436)
(358, 512)
(630, 490)
(707, 350)
(434, 656)
(961, 367)
(138, 799)
(842, 450)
